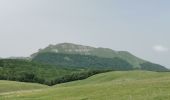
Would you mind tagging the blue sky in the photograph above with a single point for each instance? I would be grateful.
(138, 26)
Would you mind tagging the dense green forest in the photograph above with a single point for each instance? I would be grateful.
(82, 61)
(152, 67)
(93, 62)
(28, 71)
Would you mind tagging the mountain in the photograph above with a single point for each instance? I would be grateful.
(74, 49)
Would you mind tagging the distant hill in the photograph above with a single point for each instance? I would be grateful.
(69, 48)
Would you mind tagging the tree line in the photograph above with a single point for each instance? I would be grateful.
(32, 77)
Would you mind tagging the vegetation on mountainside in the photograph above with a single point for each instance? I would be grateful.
(69, 48)
(82, 61)
(93, 62)
(153, 67)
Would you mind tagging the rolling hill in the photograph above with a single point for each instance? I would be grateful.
(12, 86)
(118, 85)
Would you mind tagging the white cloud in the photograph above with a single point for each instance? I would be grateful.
(160, 48)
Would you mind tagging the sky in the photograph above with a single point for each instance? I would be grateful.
(138, 26)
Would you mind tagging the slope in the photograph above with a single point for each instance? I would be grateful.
(93, 62)
(127, 85)
(82, 61)
(12, 86)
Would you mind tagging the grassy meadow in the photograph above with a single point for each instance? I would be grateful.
(11, 86)
(118, 85)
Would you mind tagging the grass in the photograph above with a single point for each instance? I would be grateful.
(119, 85)
(11, 86)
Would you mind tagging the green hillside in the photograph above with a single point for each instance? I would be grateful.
(92, 62)
(12, 86)
(82, 61)
(69, 48)
(126, 85)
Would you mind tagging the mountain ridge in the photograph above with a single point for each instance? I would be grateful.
(71, 48)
